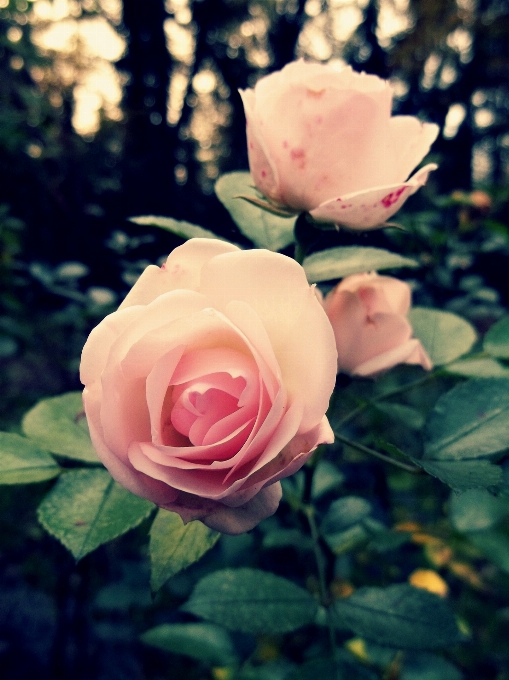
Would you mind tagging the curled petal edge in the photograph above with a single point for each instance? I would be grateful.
(411, 352)
(370, 208)
(242, 518)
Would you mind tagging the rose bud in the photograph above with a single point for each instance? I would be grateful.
(368, 313)
(210, 382)
(321, 139)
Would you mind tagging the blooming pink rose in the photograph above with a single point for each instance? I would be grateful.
(369, 316)
(210, 382)
(321, 139)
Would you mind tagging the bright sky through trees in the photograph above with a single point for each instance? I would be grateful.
(85, 47)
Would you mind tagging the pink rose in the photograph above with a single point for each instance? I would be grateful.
(369, 316)
(321, 139)
(210, 382)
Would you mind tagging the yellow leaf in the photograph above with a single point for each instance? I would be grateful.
(427, 579)
(358, 648)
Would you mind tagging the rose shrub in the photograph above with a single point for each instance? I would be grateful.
(321, 139)
(210, 382)
(368, 313)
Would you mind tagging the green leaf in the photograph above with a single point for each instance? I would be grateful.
(347, 524)
(252, 601)
(476, 509)
(399, 616)
(201, 641)
(23, 462)
(180, 227)
(264, 229)
(344, 668)
(407, 415)
(327, 477)
(272, 670)
(470, 421)
(496, 340)
(423, 666)
(58, 424)
(175, 545)
(336, 263)
(478, 368)
(462, 475)
(86, 508)
(388, 540)
(444, 335)
(344, 513)
(283, 538)
(467, 424)
(345, 541)
(270, 207)
(494, 544)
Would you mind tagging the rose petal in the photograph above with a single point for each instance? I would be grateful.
(262, 169)
(411, 140)
(156, 388)
(126, 410)
(288, 461)
(378, 293)
(284, 431)
(95, 352)
(314, 163)
(200, 479)
(410, 352)
(157, 316)
(235, 521)
(360, 338)
(370, 208)
(220, 359)
(231, 521)
(180, 271)
(420, 357)
(307, 374)
(118, 466)
(272, 285)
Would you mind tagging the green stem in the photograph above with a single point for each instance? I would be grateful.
(299, 253)
(386, 395)
(350, 416)
(377, 454)
(309, 511)
(408, 386)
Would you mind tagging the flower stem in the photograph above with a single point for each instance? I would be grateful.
(309, 511)
(386, 395)
(377, 454)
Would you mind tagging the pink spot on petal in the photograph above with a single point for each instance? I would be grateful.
(251, 145)
(339, 199)
(299, 156)
(319, 119)
(314, 94)
(263, 173)
(285, 144)
(393, 197)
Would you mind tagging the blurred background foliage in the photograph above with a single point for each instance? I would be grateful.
(111, 109)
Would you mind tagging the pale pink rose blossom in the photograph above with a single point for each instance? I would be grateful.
(321, 139)
(210, 382)
(368, 313)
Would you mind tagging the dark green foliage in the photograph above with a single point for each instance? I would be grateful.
(320, 574)
(399, 616)
(252, 601)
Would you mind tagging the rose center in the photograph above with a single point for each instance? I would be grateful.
(204, 409)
